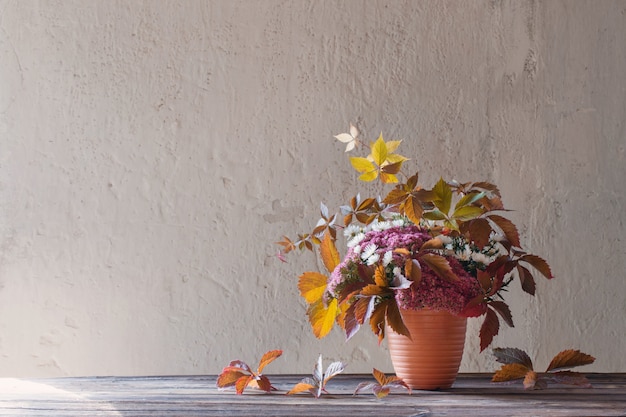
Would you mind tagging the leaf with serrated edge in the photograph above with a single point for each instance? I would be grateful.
(323, 318)
(508, 228)
(379, 151)
(394, 319)
(329, 253)
(510, 372)
(489, 329)
(333, 370)
(413, 271)
(513, 355)
(242, 383)
(267, 358)
(570, 358)
(312, 286)
(503, 310)
(539, 264)
(439, 266)
(229, 377)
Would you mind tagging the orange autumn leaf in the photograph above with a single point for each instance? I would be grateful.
(312, 286)
(509, 372)
(570, 358)
(329, 253)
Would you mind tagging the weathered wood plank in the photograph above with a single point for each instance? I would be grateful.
(472, 395)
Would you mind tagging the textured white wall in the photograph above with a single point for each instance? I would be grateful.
(151, 153)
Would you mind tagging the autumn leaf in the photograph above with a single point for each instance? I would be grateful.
(509, 372)
(329, 253)
(518, 365)
(316, 384)
(239, 374)
(512, 355)
(383, 385)
(322, 317)
(312, 286)
(439, 266)
(570, 358)
(489, 329)
(350, 139)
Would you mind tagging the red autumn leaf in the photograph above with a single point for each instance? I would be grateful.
(480, 231)
(539, 264)
(503, 310)
(507, 227)
(440, 266)
(526, 279)
(489, 329)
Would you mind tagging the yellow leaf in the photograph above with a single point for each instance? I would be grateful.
(392, 145)
(362, 165)
(369, 176)
(388, 178)
(312, 286)
(329, 253)
(379, 151)
(322, 318)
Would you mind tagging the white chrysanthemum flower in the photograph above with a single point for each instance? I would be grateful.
(465, 254)
(368, 251)
(397, 272)
(373, 259)
(398, 222)
(356, 240)
(480, 258)
(387, 258)
(352, 230)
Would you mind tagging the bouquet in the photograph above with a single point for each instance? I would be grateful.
(448, 248)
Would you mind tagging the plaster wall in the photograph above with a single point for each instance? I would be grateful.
(152, 152)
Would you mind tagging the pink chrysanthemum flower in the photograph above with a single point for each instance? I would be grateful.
(432, 291)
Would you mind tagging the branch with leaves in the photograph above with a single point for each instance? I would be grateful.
(519, 366)
(316, 385)
(383, 385)
(239, 375)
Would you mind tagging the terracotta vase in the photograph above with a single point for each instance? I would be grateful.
(430, 359)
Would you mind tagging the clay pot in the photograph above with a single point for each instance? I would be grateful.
(430, 360)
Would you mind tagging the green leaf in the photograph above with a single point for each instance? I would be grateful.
(468, 199)
(466, 213)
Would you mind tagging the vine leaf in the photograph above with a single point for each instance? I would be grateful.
(569, 359)
(383, 385)
(518, 365)
(239, 374)
(316, 384)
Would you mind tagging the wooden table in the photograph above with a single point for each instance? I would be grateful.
(182, 396)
